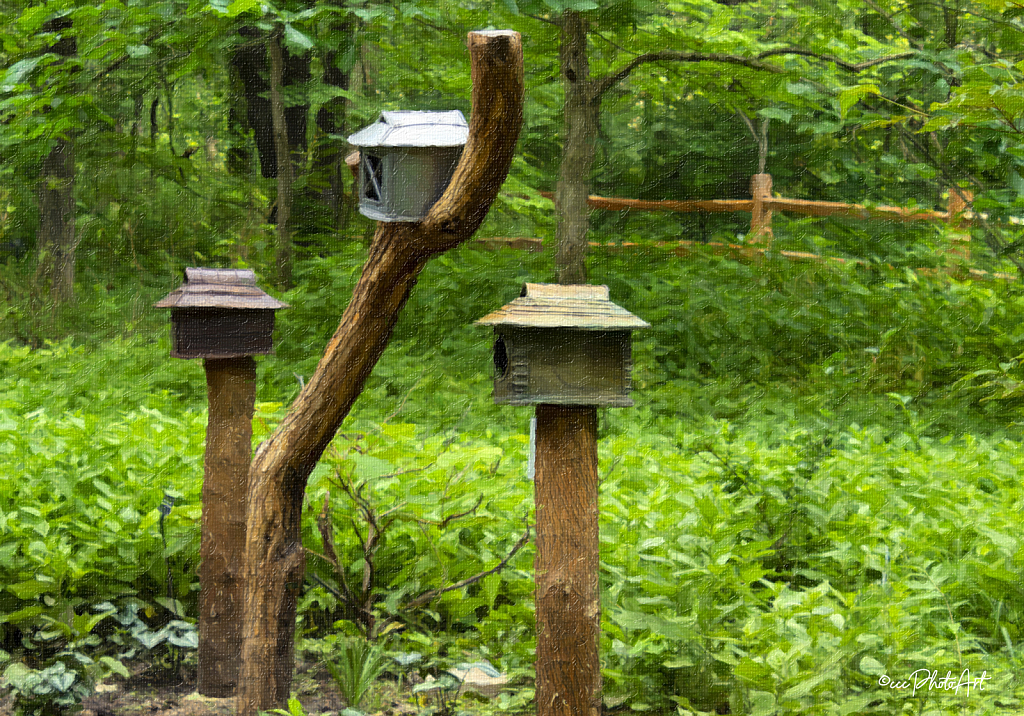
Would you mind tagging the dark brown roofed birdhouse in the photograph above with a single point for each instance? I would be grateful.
(220, 313)
(563, 345)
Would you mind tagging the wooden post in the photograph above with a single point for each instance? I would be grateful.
(761, 212)
(567, 562)
(231, 388)
(959, 250)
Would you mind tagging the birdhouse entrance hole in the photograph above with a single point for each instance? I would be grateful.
(372, 175)
(500, 359)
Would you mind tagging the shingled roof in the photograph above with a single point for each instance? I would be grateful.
(544, 305)
(409, 128)
(219, 288)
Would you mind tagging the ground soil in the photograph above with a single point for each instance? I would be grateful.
(157, 692)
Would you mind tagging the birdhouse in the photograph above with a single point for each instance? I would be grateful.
(563, 345)
(220, 313)
(406, 161)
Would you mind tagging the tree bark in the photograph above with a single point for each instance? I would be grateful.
(328, 162)
(250, 101)
(56, 239)
(231, 389)
(277, 480)
(567, 562)
(285, 168)
(582, 111)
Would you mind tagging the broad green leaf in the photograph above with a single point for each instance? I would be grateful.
(17, 72)
(296, 39)
(114, 666)
(852, 95)
(240, 7)
(871, 666)
(762, 703)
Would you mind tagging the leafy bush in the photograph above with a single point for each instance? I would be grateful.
(817, 488)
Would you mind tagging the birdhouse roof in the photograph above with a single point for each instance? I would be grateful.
(219, 288)
(542, 305)
(408, 128)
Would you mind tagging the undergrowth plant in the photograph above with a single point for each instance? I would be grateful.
(818, 487)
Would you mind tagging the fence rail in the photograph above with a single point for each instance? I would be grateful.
(763, 205)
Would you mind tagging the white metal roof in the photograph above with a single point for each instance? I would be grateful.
(409, 128)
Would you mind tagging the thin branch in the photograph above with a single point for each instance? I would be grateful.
(914, 43)
(840, 63)
(743, 478)
(337, 595)
(538, 18)
(599, 87)
(760, 138)
(614, 44)
(435, 593)
(405, 399)
(459, 515)
(323, 522)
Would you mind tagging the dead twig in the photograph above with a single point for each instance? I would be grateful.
(433, 594)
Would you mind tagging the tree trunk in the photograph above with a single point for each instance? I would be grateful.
(56, 239)
(251, 106)
(285, 170)
(567, 562)
(231, 388)
(328, 163)
(582, 111)
(275, 561)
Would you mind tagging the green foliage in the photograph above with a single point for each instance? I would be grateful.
(356, 667)
(67, 664)
(818, 487)
(294, 709)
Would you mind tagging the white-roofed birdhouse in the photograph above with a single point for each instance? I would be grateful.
(407, 159)
(563, 345)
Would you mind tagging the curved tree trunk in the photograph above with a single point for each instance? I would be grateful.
(275, 561)
(582, 111)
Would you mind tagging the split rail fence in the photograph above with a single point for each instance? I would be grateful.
(762, 205)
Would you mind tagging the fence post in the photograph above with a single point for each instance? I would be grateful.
(761, 212)
(959, 250)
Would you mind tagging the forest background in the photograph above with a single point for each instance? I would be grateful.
(818, 488)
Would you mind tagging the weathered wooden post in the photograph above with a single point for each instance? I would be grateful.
(761, 212)
(220, 315)
(567, 350)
